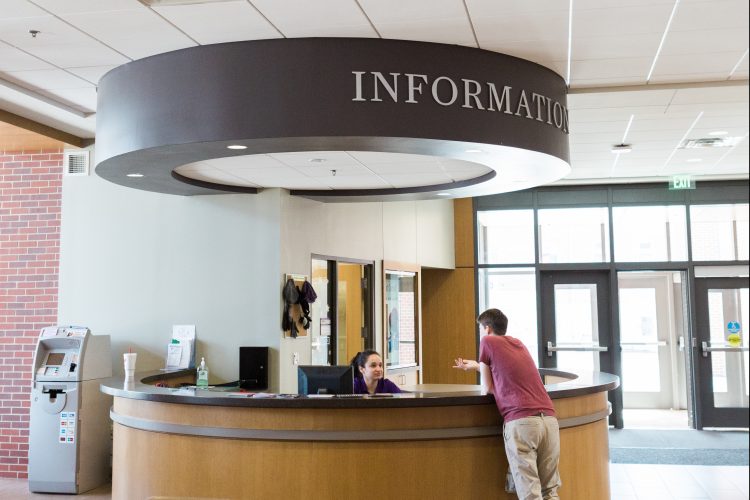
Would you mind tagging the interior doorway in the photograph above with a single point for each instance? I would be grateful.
(345, 310)
(652, 349)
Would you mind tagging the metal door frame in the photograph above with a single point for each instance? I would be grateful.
(609, 334)
(707, 415)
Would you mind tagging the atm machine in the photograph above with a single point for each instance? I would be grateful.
(70, 439)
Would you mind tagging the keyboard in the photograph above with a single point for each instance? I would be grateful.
(350, 395)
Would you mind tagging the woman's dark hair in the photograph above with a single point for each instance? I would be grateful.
(360, 360)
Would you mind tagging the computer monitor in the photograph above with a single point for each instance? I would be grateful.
(325, 379)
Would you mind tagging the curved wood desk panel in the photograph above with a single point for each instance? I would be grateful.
(421, 445)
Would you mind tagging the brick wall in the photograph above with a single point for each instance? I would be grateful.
(30, 199)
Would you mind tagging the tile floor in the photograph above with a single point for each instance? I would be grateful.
(629, 482)
(677, 482)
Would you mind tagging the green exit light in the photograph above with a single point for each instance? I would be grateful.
(681, 182)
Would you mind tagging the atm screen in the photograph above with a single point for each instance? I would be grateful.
(55, 358)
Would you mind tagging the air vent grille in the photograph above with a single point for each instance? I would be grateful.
(76, 162)
(710, 142)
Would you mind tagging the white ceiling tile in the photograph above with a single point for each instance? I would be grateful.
(13, 59)
(300, 18)
(15, 9)
(706, 41)
(716, 14)
(620, 99)
(712, 95)
(135, 33)
(49, 79)
(455, 31)
(540, 51)
(219, 22)
(52, 31)
(91, 73)
(615, 47)
(405, 167)
(410, 180)
(334, 170)
(330, 159)
(528, 27)
(690, 66)
(75, 6)
(89, 53)
(493, 8)
(630, 69)
(603, 5)
(354, 182)
(622, 20)
(372, 157)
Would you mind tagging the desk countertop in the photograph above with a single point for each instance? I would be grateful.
(142, 387)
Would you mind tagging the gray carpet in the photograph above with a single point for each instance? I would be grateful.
(682, 447)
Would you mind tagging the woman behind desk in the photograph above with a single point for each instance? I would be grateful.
(368, 375)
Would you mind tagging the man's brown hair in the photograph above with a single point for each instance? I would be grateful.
(495, 319)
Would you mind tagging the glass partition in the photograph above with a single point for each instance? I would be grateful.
(513, 291)
(650, 234)
(401, 327)
(568, 235)
(719, 232)
(505, 237)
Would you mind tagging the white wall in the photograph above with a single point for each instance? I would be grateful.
(133, 263)
(418, 232)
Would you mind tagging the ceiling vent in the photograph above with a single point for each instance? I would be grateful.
(710, 142)
(76, 162)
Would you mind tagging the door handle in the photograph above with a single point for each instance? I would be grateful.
(655, 342)
(575, 347)
(723, 348)
(681, 343)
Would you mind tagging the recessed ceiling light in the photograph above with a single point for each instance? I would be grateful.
(474, 151)
(236, 146)
(316, 160)
(622, 148)
(718, 132)
(135, 175)
(694, 160)
(443, 194)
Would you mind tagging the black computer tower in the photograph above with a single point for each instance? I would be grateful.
(254, 367)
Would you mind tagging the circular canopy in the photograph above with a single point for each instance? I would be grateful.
(332, 119)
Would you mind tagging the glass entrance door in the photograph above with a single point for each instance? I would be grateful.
(653, 374)
(722, 351)
(576, 326)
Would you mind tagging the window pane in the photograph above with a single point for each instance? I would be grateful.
(650, 234)
(513, 291)
(719, 232)
(574, 235)
(506, 237)
(577, 325)
(400, 346)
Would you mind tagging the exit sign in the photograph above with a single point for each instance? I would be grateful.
(681, 182)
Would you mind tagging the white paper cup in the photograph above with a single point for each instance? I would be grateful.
(129, 360)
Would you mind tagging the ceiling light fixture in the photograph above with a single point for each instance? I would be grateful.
(622, 148)
(663, 38)
(34, 33)
(135, 175)
(316, 160)
(236, 146)
(443, 194)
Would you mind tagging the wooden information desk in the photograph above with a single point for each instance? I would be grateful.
(437, 442)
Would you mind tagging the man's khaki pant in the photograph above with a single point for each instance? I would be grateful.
(533, 448)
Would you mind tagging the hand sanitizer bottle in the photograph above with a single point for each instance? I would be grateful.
(202, 374)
